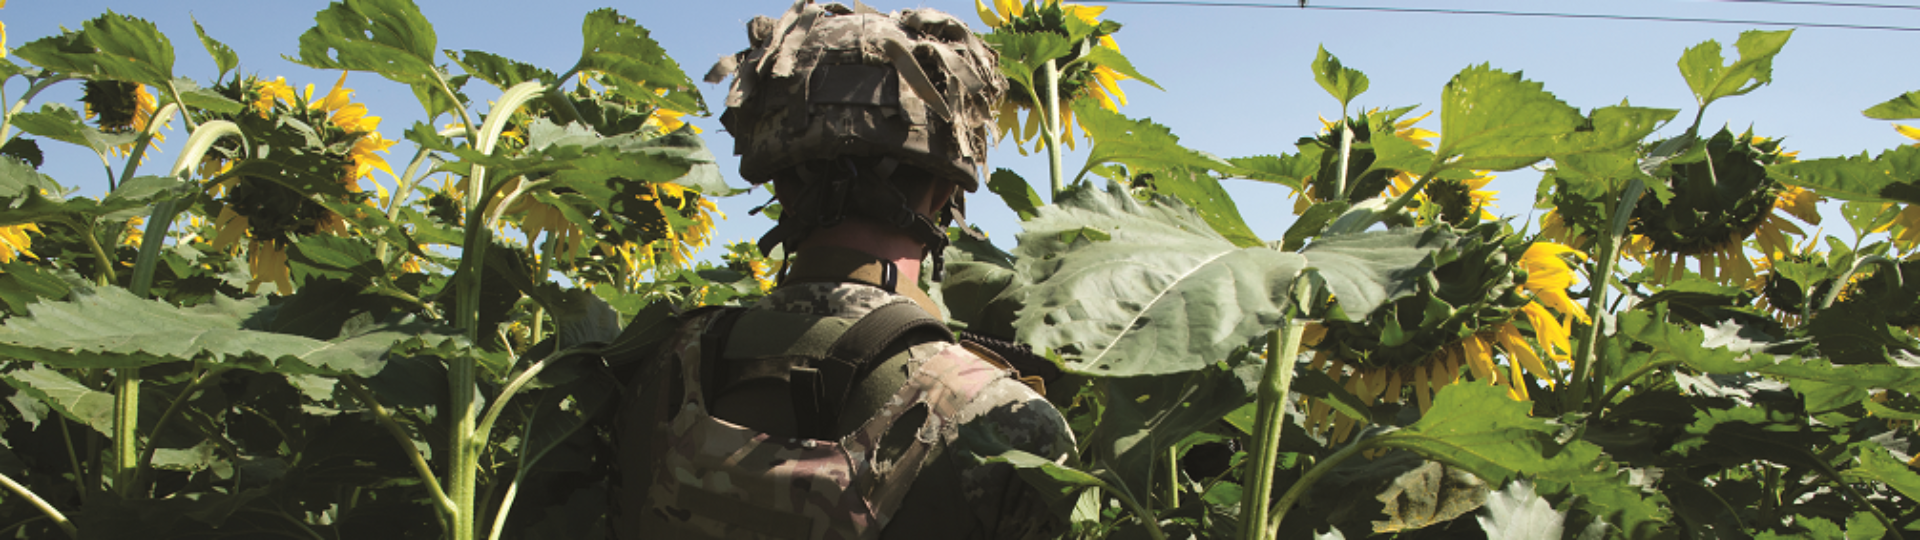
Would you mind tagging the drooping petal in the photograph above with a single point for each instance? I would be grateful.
(1478, 357)
(987, 15)
(1522, 354)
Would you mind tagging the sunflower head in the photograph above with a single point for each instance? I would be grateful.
(1362, 184)
(1081, 25)
(1721, 196)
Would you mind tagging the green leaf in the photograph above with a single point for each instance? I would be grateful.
(1168, 294)
(1341, 82)
(618, 47)
(1022, 53)
(1291, 170)
(1112, 59)
(201, 98)
(1311, 223)
(339, 258)
(1875, 464)
(1478, 428)
(389, 37)
(1017, 193)
(58, 122)
(112, 328)
(1905, 107)
(223, 56)
(1059, 485)
(981, 288)
(76, 401)
(1893, 176)
(1204, 194)
(1494, 120)
(111, 46)
(1711, 79)
(1670, 341)
(1140, 144)
(499, 70)
(1143, 416)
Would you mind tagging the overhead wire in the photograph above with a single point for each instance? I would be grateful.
(1509, 13)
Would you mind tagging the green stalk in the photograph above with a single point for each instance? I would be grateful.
(1051, 129)
(420, 466)
(1346, 151)
(173, 411)
(48, 509)
(1599, 283)
(126, 430)
(1173, 479)
(6, 122)
(1269, 417)
(464, 448)
(197, 146)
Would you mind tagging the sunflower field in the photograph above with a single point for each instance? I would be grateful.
(290, 336)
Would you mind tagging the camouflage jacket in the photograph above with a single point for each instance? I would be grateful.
(977, 411)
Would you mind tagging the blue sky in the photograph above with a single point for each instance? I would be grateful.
(1236, 79)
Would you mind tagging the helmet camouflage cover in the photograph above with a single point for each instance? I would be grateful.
(828, 81)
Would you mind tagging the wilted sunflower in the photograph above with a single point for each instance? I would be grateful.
(1477, 307)
(120, 107)
(266, 211)
(1720, 200)
(1081, 81)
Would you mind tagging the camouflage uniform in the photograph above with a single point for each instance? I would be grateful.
(715, 479)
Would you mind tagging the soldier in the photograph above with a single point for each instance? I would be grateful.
(840, 406)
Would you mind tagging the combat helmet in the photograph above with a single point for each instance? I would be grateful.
(851, 101)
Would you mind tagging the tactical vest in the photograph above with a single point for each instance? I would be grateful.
(714, 479)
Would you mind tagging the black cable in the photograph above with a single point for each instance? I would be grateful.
(1440, 11)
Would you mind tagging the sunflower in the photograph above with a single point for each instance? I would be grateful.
(1718, 204)
(1905, 226)
(1097, 82)
(1452, 201)
(745, 257)
(1501, 334)
(338, 148)
(120, 107)
(15, 243)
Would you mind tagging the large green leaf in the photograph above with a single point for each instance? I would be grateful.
(111, 46)
(1291, 170)
(619, 47)
(1711, 78)
(61, 123)
(1140, 144)
(1164, 293)
(113, 328)
(1875, 464)
(499, 70)
(1022, 53)
(1015, 191)
(1111, 59)
(1342, 82)
(1691, 346)
(1905, 107)
(389, 37)
(76, 401)
(1494, 120)
(576, 157)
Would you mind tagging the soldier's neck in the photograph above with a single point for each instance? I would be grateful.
(884, 243)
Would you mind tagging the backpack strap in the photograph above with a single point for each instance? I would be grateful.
(820, 390)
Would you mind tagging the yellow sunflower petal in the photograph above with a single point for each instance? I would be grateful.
(1478, 357)
(1522, 354)
(1909, 131)
(987, 15)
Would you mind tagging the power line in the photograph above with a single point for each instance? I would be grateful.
(1504, 13)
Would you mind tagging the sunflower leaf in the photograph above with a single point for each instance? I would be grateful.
(1166, 293)
(1711, 79)
(499, 70)
(1905, 107)
(1141, 417)
(201, 98)
(113, 328)
(223, 56)
(61, 123)
(389, 37)
(1023, 53)
(1015, 191)
(1894, 176)
(1342, 82)
(71, 398)
(1204, 193)
(1140, 144)
(618, 47)
(1112, 59)
(1494, 120)
(111, 46)
(1690, 346)
(1874, 464)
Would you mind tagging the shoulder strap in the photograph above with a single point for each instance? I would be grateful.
(820, 390)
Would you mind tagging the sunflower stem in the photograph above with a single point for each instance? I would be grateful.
(1269, 418)
(1173, 478)
(1050, 131)
(1599, 283)
(126, 430)
(420, 466)
(48, 509)
(1346, 152)
(1306, 481)
(6, 122)
(173, 411)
